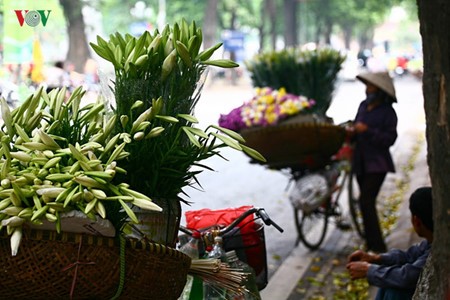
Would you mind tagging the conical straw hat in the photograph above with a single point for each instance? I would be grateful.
(381, 80)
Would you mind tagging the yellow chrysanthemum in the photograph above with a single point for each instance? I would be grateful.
(260, 107)
(271, 118)
(305, 104)
(257, 118)
(289, 107)
(246, 111)
(263, 91)
(270, 108)
(281, 93)
(265, 99)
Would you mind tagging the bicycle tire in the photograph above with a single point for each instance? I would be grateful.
(353, 203)
(312, 226)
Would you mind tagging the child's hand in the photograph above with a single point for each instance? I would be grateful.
(360, 255)
(358, 269)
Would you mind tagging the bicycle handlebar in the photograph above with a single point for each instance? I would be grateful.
(268, 221)
(255, 210)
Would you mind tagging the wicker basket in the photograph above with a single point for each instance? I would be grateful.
(48, 264)
(304, 141)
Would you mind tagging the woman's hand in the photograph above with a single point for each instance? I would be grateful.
(360, 127)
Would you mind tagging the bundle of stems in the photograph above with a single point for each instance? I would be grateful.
(166, 65)
(219, 273)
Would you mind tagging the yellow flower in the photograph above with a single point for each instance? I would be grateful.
(265, 99)
(268, 105)
(289, 107)
(260, 107)
(271, 118)
(270, 108)
(262, 91)
(246, 111)
(281, 93)
(257, 118)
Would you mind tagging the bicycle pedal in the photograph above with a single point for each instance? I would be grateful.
(343, 225)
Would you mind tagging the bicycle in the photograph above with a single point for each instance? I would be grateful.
(245, 235)
(315, 199)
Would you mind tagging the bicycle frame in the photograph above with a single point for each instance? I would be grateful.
(329, 182)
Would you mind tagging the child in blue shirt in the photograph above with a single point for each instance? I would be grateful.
(396, 272)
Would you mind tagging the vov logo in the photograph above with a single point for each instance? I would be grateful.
(32, 17)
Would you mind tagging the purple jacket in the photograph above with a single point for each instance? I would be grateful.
(371, 153)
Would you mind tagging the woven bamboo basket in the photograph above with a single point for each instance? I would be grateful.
(80, 266)
(304, 141)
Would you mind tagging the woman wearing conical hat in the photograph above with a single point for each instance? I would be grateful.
(375, 131)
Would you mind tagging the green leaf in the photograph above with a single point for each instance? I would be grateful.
(102, 52)
(167, 119)
(230, 133)
(189, 118)
(197, 131)
(222, 63)
(206, 54)
(191, 137)
(253, 153)
(129, 212)
(228, 141)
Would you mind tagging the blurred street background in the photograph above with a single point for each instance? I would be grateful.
(237, 182)
(374, 35)
(382, 35)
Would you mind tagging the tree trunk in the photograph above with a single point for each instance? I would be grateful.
(347, 36)
(78, 52)
(434, 16)
(318, 34)
(261, 38)
(210, 24)
(328, 32)
(290, 23)
(366, 39)
(272, 15)
(234, 74)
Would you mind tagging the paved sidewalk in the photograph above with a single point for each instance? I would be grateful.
(306, 274)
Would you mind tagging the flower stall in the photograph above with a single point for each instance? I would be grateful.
(286, 119)
(90, 195)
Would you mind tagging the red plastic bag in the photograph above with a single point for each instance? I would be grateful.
(203, 218)
(247, 239)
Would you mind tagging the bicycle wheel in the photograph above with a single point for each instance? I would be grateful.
(312, 226)
(353, 201)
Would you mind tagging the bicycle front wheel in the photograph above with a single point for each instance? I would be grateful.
(312, 226)
(355, 208)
